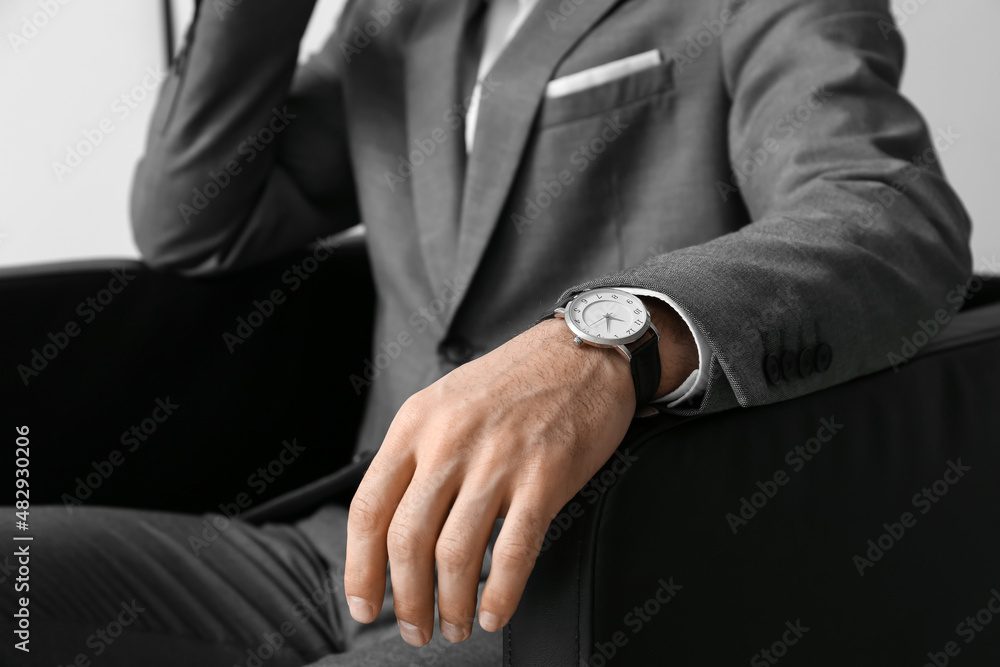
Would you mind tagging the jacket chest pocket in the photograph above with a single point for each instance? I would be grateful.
(605, 88)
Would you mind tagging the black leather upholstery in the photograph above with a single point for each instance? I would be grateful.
(162, 336)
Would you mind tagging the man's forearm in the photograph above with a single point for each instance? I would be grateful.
(846, 217)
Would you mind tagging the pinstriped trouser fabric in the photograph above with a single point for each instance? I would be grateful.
(129, 587)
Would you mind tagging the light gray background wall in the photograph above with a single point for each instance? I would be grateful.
(72, 73)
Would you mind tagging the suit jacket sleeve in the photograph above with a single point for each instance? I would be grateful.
(247, 154)
(855, 235)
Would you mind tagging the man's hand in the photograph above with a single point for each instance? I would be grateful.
(514, 434)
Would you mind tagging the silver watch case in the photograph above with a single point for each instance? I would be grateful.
(618, 343)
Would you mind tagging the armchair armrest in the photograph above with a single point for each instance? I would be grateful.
(149, 389)
(859, 525)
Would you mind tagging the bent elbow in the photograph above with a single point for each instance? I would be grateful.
(165, 237)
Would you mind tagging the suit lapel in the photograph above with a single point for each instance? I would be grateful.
(433, 67)
(507, 115)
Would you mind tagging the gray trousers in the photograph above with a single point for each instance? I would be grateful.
(113, 587)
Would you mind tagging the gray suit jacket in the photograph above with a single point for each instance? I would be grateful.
(768, 176)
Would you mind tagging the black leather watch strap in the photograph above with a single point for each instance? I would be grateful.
(646, 369)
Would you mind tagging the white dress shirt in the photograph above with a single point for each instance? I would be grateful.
(503, 20)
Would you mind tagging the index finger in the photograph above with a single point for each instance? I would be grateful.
(372, 509)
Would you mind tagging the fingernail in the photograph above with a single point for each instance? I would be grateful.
(411, 634)
(361, 609)
(452, 632)
(489, 622)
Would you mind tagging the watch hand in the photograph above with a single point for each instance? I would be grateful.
(612, 317)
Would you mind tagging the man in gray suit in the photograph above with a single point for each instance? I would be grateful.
(743, 175)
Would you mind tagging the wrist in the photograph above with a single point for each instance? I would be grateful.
(596, 367)
(678, 348)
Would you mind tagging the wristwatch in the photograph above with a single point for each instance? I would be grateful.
(614, 318)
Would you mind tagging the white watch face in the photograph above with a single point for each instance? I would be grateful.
(607, 317)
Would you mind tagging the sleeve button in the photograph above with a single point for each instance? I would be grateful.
(772, 369)
(824, 356)
(789, 365)
(807, 362)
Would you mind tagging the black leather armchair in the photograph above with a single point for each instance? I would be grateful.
(856, 526)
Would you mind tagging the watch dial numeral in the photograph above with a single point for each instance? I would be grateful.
(630, 331)
(638, 323)
(628, 301)
(614, 296)
(637, 311)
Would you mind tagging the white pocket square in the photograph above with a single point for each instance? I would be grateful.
(595, 76)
